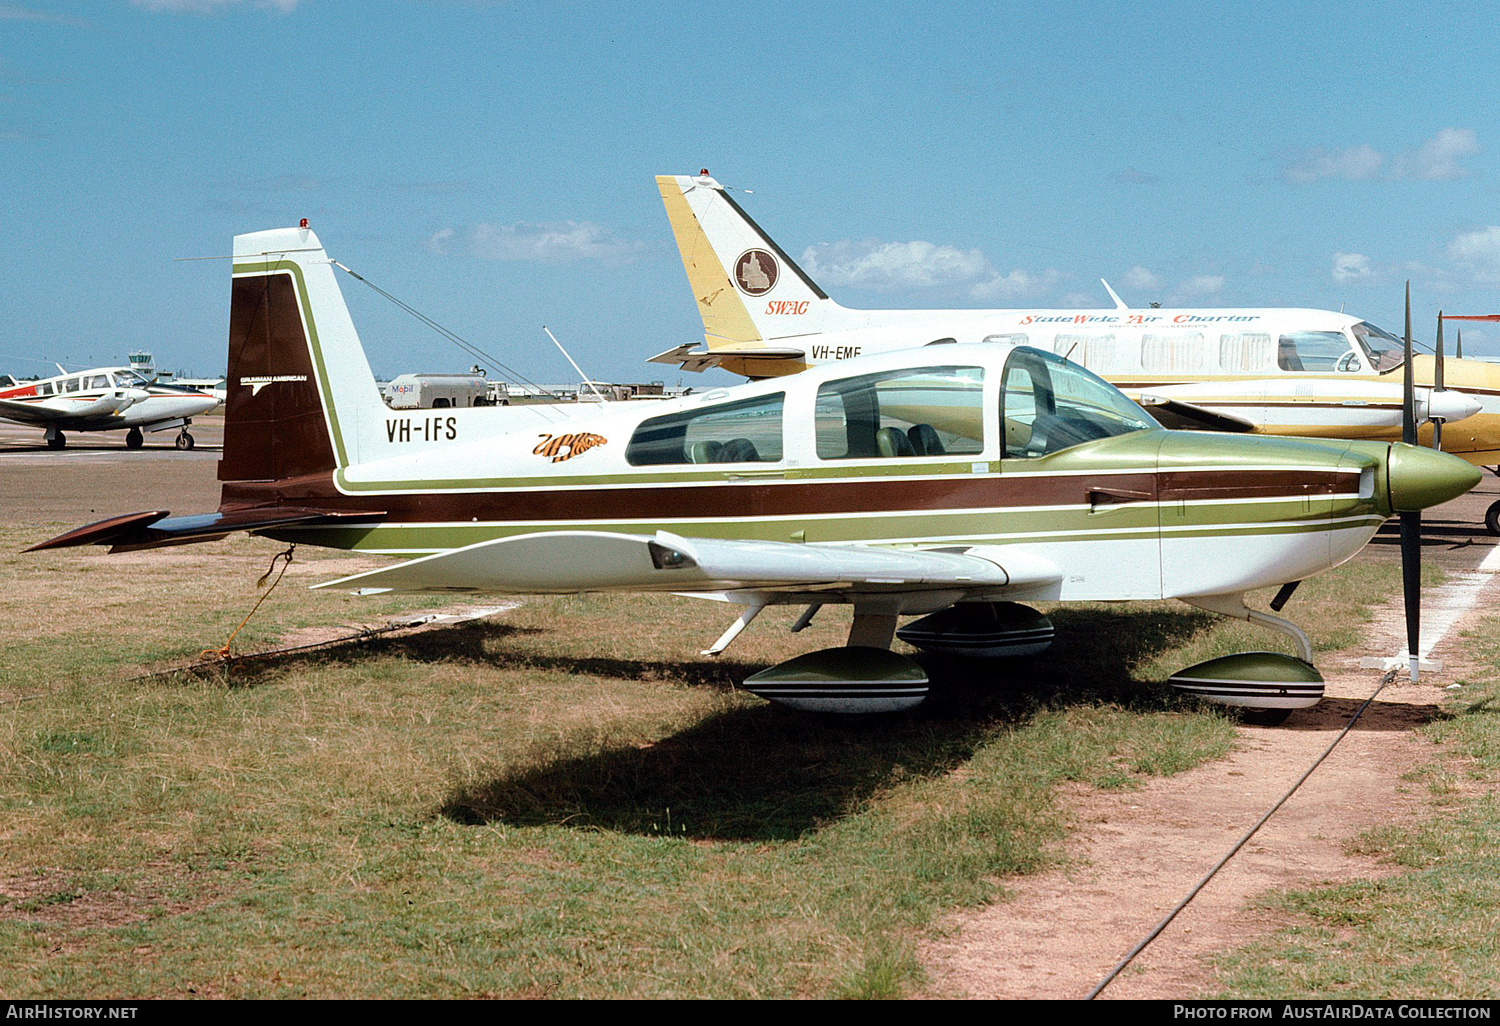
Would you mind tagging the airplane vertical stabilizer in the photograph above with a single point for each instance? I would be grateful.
(300, 391)
(748, 290)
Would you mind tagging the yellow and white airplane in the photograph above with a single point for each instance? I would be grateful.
(1310, 373)
(946, 483)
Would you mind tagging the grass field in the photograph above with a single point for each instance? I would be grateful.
(563, 801)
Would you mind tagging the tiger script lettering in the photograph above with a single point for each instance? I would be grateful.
(565, 447)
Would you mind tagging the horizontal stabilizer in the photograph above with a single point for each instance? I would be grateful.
(154, 528)
(699, 360)
(1177, 415)
(572, 561)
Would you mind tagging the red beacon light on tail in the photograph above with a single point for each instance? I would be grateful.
(302, 223)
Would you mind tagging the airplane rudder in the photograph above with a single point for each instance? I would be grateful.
(277, 411)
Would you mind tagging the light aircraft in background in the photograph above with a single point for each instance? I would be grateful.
(104, 399)
(1310, 373)
(949, 483)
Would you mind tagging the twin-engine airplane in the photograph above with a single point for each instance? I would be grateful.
(947, 483)
(1309, 373)
(104, 399)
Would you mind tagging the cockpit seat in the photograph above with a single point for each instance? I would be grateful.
(707, 451)
(739, 450)
(924, 440)
(892, 442)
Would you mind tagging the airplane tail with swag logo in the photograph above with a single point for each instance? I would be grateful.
(753, 298)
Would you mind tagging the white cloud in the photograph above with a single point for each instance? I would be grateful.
(1478, 253)
(1015, 285)
(893, 265)
(1438, 159)
(16, 12)
(1139, 277)
(1351, 267)
(212, 6)
(1199, 286)
(1358, 163)
(555, 242)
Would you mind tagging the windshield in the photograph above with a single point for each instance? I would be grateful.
(1050, 404)
(129, 379)
(1385, 350)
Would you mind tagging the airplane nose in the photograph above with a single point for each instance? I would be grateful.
(1450, 406)
(1418, 477)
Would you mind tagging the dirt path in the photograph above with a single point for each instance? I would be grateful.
(1139, 852)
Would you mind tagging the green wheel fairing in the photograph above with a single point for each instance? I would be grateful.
(1253, 680)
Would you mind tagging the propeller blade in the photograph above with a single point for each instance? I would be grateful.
(1411, 584)
(1437, 382)
(1408, 399)
(1411, 523)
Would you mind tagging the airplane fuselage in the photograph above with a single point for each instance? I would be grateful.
(1142, 514)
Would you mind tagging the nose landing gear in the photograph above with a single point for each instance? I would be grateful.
(184, 440)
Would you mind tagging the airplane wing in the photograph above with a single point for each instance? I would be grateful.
(29, 413)
(573, 561)
(1178, 415)
(41, 413)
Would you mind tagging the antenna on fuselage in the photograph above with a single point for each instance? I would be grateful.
(1119, 303)
(586, 379)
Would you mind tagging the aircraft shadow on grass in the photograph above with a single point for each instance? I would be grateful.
(768, 774)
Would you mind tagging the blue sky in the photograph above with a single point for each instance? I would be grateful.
(491, 163)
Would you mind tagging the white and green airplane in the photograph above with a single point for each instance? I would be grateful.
(948, 483)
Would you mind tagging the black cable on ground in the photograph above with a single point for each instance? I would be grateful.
(1166, 920)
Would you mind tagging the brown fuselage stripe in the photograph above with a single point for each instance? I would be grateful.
(811, 498)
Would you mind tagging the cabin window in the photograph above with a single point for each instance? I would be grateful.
(1316, 351)
(98, 381)
(45, 388)
(1172, 354)
(1096, 352)
(1246, 352)
(744, 432)
(1014, 339)
(71, 384)
(1049, 404)
(927, 411)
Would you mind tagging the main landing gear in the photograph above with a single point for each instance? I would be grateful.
(1492, 515)
(134, 439)
(866, 677)
(57, 440)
